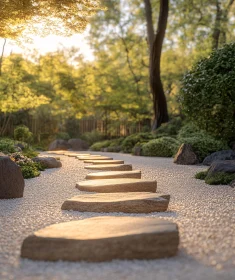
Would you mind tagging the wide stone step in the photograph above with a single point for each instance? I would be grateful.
(103, 239)
(76, 155)
(114, 174)
(135, 202)
(94, 158)
(120, 185)
(96, 162)
(110, 167)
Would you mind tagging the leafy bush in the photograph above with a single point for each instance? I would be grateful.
(22, 133)
(189, 130)
(207, 93)
(201, 175)
(130, 141)
(7, 146)
(30, 153)
(204, 145)
(62, 135)
(161, 147)
(169, 129)
(28, 168)
(92, 137)
(220, 178)
(99, 145)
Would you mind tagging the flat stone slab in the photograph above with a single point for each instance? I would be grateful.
(114, 174)
(76, 155)
(95, 158)
(120, 185)
(135, 202)
(96, 162)
(110, 167)
(103, 239)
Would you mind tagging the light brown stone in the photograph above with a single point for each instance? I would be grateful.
(134, 202)
(110, 167)
(120, 185)
(95, 158)
(76, 155)
(114, 174)
(103, 239)
(98, 162)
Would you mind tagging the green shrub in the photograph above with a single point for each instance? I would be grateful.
(204, 145)
(161, 147)
(99, 145)
(201, 175)
(7, 146)
(220, 178)
(30, 153)
(189, 130)
(169, 129)
(130, 141)
(63, 136)
(207, 94)
(92, 137)
(29, 171)
(22, 133)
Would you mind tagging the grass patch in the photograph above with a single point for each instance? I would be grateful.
(201, 175)
(220, 178)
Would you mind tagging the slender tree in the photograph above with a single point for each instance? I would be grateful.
(155, 46)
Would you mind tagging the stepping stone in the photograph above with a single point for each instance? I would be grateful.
(103, 239)
(135, 202)
(114, 174)
(95, 158)
(104, 161)
(120, 185)
(110, 167)
(76, 155)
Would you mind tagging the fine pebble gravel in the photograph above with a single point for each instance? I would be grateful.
(204, 213)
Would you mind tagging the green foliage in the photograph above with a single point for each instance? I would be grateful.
(161, 147)
(207, 93)
(92, 137)
(22, 133)
(171, 128)
(62, 135)
(220, 178)
(188, 130)
(201, 175)
(30, 153)
(29, 170)
(99, 145)
(7, 146)
(203, 144)
(130, 141)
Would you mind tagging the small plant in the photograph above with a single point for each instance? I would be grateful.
(130, 141)
(7, 146)
(62, 135)
(30, 153)
(161, 147)
(201, 175)
(99, 145)
(22, 133)
(220, 178)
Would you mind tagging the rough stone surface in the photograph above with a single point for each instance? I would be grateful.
(71, 154)
(114, 174)
(78, 144)
(135, 202)
(103, 239)
(204, 213)
(110, 167)
(227, 166)
(11, 179)
(59, 144)
(186, 155)
(120, 185)
(48, 162)
(98, 162)
(220, 155)
(95, 158)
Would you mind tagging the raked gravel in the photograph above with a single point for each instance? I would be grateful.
(205, 215)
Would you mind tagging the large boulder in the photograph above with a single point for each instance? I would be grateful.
(11, 179)
(78, 144)
(186, 155)
(226, 166)
(59, 144)
(220, 155)
(48, 162)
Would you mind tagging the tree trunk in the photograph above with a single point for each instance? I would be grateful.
(217, 26)
(1, 58)
(159, 98)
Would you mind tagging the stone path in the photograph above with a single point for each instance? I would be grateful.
(124, 238)
(205, 215)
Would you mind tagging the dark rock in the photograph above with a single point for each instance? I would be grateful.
(232, 184)
(77, 144)
(59, 144)
(20, 145)
(220, 155)
(48, 162)
(137, 150)
(11, 179)
(227, 166)
(186, 155)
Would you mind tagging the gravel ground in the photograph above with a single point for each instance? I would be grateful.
(205, 215)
